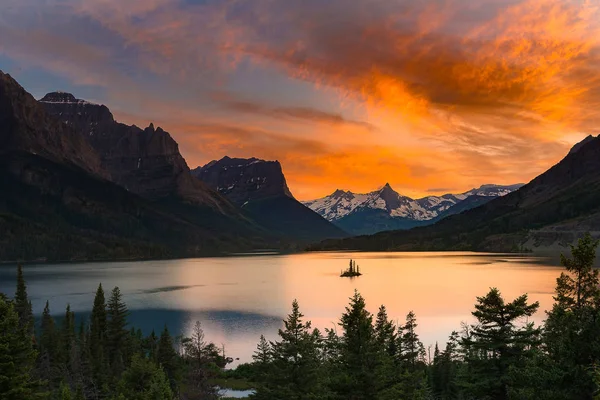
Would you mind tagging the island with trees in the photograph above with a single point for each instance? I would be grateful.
(352, 271)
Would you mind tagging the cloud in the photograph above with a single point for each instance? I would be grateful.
(440, 90)
(299, 113)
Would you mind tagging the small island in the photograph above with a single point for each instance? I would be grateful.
(352, 271)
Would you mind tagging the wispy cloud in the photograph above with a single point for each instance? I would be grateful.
(415, 93)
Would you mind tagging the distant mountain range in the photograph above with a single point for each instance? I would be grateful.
(260, 189)
(548, 213)
(386, 209)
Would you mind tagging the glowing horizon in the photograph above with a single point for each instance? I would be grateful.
(435, 97)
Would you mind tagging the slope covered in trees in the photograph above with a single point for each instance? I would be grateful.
(500, 356)
(567, 192)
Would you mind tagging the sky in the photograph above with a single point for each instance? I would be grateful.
(431, 96)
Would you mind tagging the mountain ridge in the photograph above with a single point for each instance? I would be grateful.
(259, 187)
(144, 161)
(386, 209)
(567, 194)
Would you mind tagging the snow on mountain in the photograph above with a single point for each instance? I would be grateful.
(342, 203)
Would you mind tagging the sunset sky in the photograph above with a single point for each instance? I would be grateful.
(432, 96)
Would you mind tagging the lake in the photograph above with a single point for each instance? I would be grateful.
(239, 298)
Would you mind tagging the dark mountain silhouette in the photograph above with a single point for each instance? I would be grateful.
(144, 161)
(58, 202)
(260, 189)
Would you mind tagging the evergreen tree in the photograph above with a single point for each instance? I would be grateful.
(97, 338)
(295, 360)
(496, 343)
(262, 356)
(166, 357)
(67, 335)
(358, 352)
(49, 350)
(413, 352)
(22, 303)
(48, 340)
(571, 331)
(150, 345)
(17, 356)
(116, 332)
(144, 380)
(385, 333)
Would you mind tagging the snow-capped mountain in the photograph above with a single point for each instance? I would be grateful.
(387, 209)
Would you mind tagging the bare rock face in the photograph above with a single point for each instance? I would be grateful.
(144, 161)
(260, 189)
(243, 180)
(25, 126)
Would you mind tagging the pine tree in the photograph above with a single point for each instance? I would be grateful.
(67, 336)
(385, 333)
(17, 356)
(571, 331)
(496, 343)
(22, 303)
(116, 331)
(144, 380)
(262, 356)
(97, 338)
(166, 357)
(295, 373)
(150, 345)
(413, 352)
(48, 339)
(358, 352)
(49, 349)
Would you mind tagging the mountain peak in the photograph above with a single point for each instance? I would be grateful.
(58, 97)
(244, 179)
(579, 145)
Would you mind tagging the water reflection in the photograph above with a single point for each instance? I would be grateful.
(239, 298)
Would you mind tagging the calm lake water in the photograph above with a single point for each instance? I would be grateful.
(239, 298)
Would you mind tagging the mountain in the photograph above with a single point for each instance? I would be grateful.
(144, 161)
(260, 189)
(386, 209)
(58, 201)
(550, 211)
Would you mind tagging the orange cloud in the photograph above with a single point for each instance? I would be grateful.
(439, 90)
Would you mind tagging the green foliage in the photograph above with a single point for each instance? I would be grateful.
(22, 303)
(116, 332)
(97, 337)
(295, 359)
(166, 357)
(144, 380)
(17, 356)
(497, 343)
(573, 325)
(502, 356)
(358, 352)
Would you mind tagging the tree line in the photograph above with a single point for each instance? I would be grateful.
(100, 358)
(501, 356)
